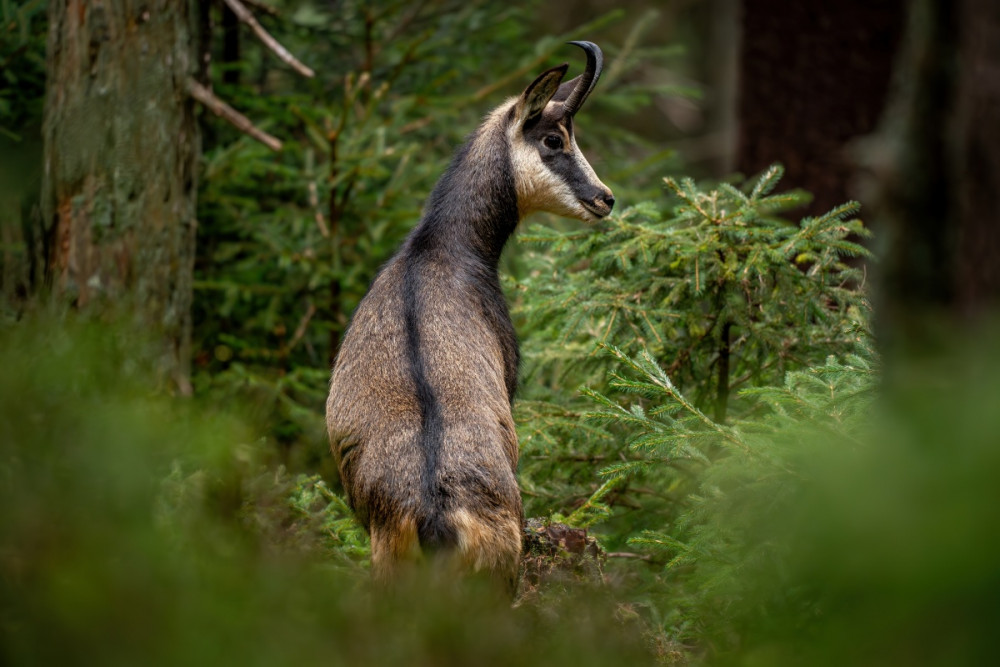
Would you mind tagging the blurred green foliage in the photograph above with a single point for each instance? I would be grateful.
(136, 528)
(831, 526)
(699, 388)
(840, 527)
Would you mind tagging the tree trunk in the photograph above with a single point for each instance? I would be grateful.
(936, 170)
(977, 157)
(814, 75)
(120, 159)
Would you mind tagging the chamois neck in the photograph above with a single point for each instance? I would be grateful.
(472, 210)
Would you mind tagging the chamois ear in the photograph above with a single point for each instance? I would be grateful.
(565, 89)
(537, 95)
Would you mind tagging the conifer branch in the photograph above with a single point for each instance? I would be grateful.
(655, 374)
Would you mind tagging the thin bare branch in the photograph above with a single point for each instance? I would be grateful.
(238, 120)
(264, 36)
(314, 202)
(300, 331)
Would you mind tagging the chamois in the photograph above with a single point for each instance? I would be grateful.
(419, 411)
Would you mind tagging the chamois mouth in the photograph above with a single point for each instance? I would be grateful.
(597, 210)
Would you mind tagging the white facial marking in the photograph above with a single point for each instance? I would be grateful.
(538, 187)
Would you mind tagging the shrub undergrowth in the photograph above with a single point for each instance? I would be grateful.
(700, 390)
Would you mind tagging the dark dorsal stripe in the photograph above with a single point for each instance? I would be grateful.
(469, 217)
(432, 529)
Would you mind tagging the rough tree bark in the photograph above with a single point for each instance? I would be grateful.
(120, 158)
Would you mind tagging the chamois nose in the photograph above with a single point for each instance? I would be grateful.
(599, 202)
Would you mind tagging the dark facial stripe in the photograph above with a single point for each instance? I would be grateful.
(565, 165)
(564, 162)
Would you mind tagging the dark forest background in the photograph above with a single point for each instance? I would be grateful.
(766, 386)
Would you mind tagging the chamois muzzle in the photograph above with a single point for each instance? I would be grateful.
(601, 204)
(587, 80)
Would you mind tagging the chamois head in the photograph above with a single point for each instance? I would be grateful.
(550, 172)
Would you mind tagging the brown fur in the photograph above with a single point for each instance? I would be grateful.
(419, 411)
(372, 400)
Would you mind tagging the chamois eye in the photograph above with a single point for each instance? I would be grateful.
(553, 141)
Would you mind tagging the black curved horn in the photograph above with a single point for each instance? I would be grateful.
(595, 63)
